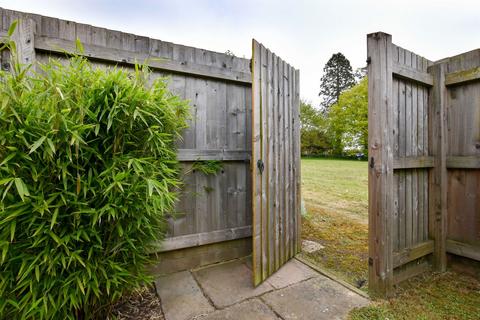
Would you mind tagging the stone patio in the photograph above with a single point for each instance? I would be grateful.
(225, 291)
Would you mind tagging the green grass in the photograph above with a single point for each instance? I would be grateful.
(339, 186)
(336, 198)
(448, 295)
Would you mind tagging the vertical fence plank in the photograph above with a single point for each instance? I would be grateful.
(256, 156)
(396, 151)
(264, 146)
(281, 157)
(402, 153)
(269, 165)
(438, 181)
(275, 162)
(380, 187)
(296, 156)
(287, 161)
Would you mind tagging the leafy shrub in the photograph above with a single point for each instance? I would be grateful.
(88, 170)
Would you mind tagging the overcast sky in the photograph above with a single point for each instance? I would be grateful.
(304, 33)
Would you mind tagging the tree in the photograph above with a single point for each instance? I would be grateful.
(337, 77)
(348, 120)
(313, 130)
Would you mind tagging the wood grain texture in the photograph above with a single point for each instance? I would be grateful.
(198, 239)
(410, 254)
(399, 168)
(380, 175)
(412, 160)
(407, 72)
(463, 249)
(438, 182)
(132, 55)
(275, 162)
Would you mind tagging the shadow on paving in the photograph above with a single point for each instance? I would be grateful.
(225, 291)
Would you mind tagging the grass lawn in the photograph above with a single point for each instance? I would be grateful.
(335, 195)
(336, 199)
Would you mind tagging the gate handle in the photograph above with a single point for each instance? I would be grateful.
(260, 166)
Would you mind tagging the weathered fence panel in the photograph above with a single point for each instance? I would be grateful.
(212, 208)
(462, 107)
(276, 162)
(424, 148)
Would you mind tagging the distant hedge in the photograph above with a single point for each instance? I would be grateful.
(88, 170)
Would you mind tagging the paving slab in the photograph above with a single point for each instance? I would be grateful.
(248, 310)
(229, 283)
(292, 272)
(309, 246)
(181, 297)
(316, 299)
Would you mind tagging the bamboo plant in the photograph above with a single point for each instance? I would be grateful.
(88, 171)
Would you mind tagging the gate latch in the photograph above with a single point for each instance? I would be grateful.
(260, 166)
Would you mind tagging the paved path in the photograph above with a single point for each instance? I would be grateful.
(225, 291)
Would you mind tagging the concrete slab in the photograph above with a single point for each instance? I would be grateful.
(181, 296)
(317, 299)
(229, 283)
(248, 310)
(292, 272)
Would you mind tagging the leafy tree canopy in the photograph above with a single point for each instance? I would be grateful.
(313, 130)
(348, 120)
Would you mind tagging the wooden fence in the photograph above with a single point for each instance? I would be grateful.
(213, 208)
(214, 214)
(424, 161)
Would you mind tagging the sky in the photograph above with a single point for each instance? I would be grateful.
(304, 33)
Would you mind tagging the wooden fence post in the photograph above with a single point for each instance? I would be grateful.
(380, 173)
(438, 177)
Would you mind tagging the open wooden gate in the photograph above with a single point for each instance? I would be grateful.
(275, 162)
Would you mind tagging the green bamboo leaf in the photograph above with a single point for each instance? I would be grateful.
(12, 28)
(36, 144)
(12, 45)
(55, 238)
(5, 181)
(13, 225)
(80, 285)
(37, 273)
(13, 303)
(54, 218)
(4, 251)
(8, 158)
(79, 46)
(5, 101)
(21, 188)
(51, 145)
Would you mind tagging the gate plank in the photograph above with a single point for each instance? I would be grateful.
(256, 156)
